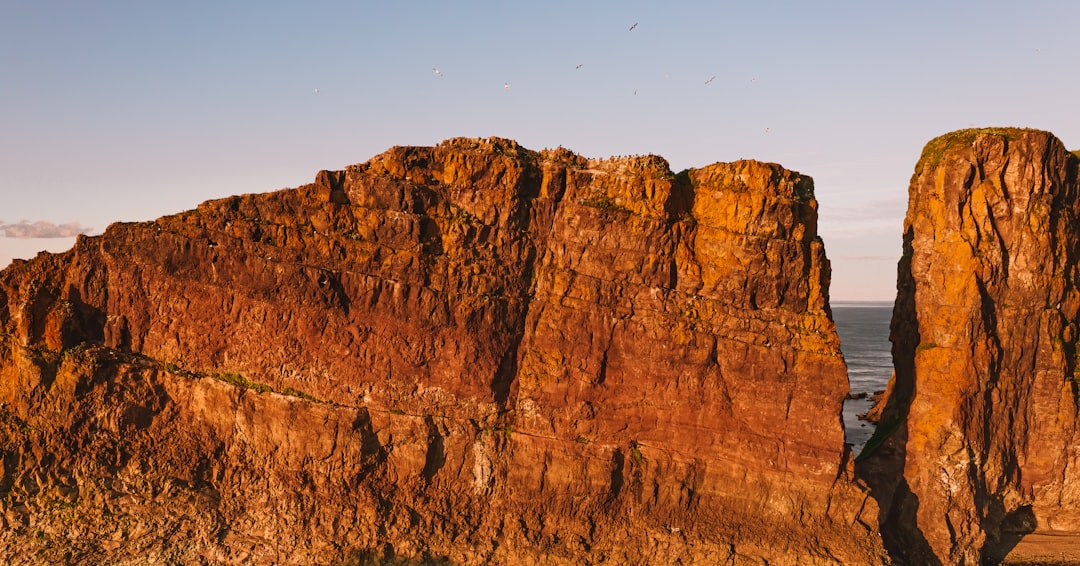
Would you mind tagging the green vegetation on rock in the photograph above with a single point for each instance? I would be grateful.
(239, 381)
(605, 203)
(935, 150)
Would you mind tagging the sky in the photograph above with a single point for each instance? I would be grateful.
(131, 110)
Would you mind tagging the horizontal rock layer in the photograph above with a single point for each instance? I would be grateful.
(471, 352)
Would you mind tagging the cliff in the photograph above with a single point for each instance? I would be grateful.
(469, 353)
(976, 445)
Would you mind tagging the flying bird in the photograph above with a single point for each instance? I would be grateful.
(506, 86)
(316, 91)
(437, 71)
(579, 65)
(711, 79)
(632, 27)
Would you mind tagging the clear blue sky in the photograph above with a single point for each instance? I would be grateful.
(132, 110)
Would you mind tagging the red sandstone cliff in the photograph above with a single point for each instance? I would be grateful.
(473, 353)
(978, 440)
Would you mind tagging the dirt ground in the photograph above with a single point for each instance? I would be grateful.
(1046, 549)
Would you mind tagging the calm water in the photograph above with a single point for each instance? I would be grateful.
(864, 339)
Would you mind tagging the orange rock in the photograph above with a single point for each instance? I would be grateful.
(984, 404)
(471, 351)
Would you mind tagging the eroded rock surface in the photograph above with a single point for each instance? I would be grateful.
(471, 353)
(977, 445)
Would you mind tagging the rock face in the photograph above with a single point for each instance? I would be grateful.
(471, 353)
(978, 441)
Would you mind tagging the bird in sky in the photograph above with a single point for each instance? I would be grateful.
(316, 91)
(632, 27)
(579, 65)
(711, 79)
(437, 71)
(506, 86)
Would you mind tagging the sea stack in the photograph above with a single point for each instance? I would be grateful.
(472, 353)
(977, 444)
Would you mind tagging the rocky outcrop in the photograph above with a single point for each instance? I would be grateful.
(976, 445)
(471, 353)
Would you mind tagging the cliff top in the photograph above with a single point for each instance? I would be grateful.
(936, 148)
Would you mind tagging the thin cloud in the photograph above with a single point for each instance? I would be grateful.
(868, 258)
(862, 218)
(42, 229)
(855, 208)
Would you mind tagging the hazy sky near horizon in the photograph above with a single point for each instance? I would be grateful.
(126, 111)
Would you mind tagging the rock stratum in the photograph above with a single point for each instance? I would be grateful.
(471, 353)
(977, 446)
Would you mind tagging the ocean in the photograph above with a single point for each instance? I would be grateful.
(864, 338)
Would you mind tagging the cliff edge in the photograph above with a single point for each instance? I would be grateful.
(975, 446)
(471, 353)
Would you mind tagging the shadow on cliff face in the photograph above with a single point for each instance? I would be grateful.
(1012, 529)
(903, 539)
(503, 384)
(681, 201)
(882, 461)
(898, 515)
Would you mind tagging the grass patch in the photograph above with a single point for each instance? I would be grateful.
(923, 346)
(604, 203)
(894, 416)
(459, 215)
(300, 395)
(173, 368)
(883, 431)
(235, 379)
(936, 149)
(505, 430)
(635, 452)
(583, 440)
(239, 380)
(1076, 361)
